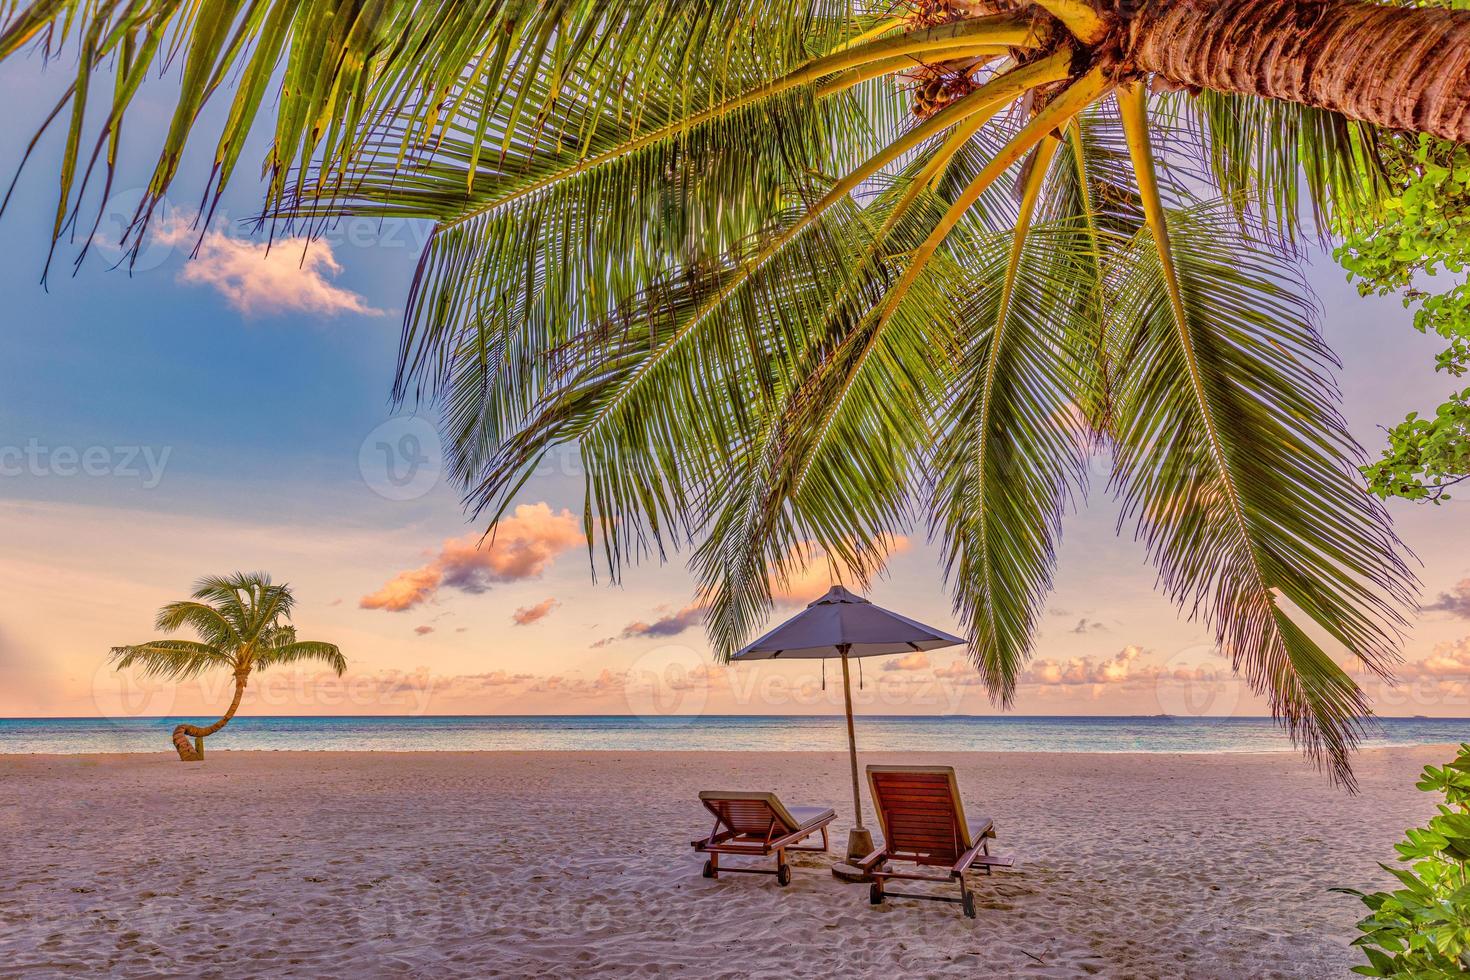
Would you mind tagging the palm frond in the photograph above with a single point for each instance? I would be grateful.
(347, 67)
(174, 659)
(1234, 462)
(301, 651)
(1010, 445)
(1263, 156)
(206, 620)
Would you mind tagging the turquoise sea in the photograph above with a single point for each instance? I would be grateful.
(754, 733)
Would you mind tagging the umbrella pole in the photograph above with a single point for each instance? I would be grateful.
(859, 841)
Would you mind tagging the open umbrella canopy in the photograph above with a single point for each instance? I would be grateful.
(841, 619)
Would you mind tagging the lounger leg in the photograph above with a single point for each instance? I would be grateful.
(712, 866)
(824, 837)
(783, 870)
(967, 899)
(875, 892)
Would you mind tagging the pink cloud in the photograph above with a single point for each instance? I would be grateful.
(285, 276)
(606, 682)
(389, 683)
(526, 615)
(1085, 671)
(423, 630)
(519, 547)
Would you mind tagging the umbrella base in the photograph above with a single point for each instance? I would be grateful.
(859, 846)
(850, 873)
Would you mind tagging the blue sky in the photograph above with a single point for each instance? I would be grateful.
(246, 388)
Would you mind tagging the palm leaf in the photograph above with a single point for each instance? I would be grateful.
(301, 651)
(1010, 445)
(174, 659)
(1233, 460)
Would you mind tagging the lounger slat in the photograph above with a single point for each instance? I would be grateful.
(901, 817)
(903, 836)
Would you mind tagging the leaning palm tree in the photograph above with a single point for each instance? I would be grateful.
(795, 274)
(238, 619)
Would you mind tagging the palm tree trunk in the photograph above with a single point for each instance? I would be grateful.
(182, 733)
(1398, 67)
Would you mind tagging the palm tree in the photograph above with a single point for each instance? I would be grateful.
(793, 274)
(238, 619)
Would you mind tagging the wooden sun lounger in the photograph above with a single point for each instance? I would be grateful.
(923, 822)
(757, 824)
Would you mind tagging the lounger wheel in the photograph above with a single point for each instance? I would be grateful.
(709, 869)
(783, 875)
(875, 894)
(968, 903)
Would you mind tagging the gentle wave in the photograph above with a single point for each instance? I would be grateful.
(747, 733)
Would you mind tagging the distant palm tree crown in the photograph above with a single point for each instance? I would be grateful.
(240, 622)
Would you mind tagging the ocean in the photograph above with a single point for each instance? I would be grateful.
(751, 733)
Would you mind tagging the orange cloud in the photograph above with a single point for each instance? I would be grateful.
(812, 576)
(519, 547)
(1450, 661)
(285, 276)
(918, 660)
(526, 615)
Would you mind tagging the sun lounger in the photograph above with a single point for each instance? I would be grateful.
(757, 824)
(923, 823)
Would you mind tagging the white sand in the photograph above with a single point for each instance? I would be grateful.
(436, 864)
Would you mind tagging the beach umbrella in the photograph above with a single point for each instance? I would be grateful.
(846, 626)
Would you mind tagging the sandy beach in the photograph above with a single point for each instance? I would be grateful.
(526, 864)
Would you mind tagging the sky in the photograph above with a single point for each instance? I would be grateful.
(231, 412)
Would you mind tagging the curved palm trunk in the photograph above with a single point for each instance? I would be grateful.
(1399, 67)
(183, 733)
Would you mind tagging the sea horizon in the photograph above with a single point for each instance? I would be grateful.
(705, 732)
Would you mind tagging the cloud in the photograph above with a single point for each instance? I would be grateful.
(1456, 602)
(960, 673)
(606, 682)
(385, 685)
(1086, 672)
(918, 660)
(285, 276)
(423, 630)
(812, 576)
(670, 624)
(519, 547)
(1449, 661)
(1085, 625)
(526, 615)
